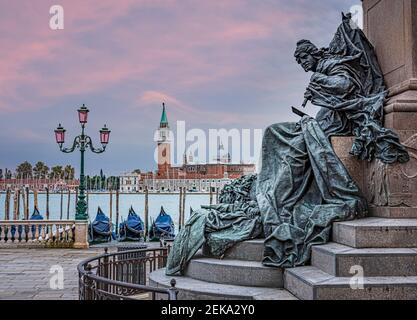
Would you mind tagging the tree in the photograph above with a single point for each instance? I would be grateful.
(8, 174)
(1, 173)
(137, 171)
(24, 170)
(40, 170)
(69, 172)
(56, 172)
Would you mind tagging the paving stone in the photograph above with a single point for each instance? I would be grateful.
(25, 272)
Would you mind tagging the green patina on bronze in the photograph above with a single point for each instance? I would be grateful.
(303, 187)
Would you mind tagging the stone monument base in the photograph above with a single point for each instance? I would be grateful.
(370, 258)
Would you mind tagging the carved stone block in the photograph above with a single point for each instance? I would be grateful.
(393, 185)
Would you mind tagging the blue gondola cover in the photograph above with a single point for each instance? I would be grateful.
(132, 229)
(162, 227)
(35, 216)
(100, 228)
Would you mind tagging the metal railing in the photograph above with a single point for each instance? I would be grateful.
(124, 276)
(60, 233)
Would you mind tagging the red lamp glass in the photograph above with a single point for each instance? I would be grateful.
(104, 135)
(60, 134)
(83, 114)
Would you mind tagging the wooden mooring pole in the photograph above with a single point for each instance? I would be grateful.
(47, 203)
(183, 207)
(117, 212)
(25, 197)
(111, 209)
(68, 203)
(16, 204)
(146, 212)
(35, 198)
(180, 210)
(62, 203)
(7, 205)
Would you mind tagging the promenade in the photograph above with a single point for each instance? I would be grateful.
(27, 273)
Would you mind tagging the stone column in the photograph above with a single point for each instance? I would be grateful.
(81, 235)
(391, 26)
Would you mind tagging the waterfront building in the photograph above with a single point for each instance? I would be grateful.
(39, 184)
(129, 182)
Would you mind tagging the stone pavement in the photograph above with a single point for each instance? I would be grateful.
(26, 273)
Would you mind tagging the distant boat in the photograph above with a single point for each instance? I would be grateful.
(100, 229)
(36, 215)
(162, 227)
(132, 229)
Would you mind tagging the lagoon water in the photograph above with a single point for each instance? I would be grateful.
(170, 202)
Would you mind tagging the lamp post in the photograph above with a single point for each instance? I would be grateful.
(83, 142)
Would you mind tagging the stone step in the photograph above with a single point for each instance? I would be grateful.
(192, 289)
(376, 233)
(235, 272)
(393, 212)
(337, 260)
(250, 250)
(311, 283)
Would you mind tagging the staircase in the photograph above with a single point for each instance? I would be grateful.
(238, 276)
(385, 249)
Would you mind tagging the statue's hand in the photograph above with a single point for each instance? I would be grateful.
(307, 96)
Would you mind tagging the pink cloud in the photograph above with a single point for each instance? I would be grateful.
(199, 49)
(197, 115)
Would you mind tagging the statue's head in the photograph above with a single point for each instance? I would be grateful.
(307, 55)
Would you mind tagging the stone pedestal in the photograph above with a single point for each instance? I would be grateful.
(81, 235)
(355, 167)
(391, 26)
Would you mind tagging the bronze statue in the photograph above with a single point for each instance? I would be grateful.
(347, 83)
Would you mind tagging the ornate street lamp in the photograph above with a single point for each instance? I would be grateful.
(82, 142)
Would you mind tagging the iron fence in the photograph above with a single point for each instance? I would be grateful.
(124, 276)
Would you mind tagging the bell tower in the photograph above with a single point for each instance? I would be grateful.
(164, 144)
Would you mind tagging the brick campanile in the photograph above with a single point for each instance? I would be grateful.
(164, 144)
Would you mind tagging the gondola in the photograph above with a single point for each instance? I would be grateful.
(162, 227)
(132, 229)
(100, 229)
(35, 216)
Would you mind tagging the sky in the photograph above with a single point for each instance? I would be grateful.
(215, 63)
